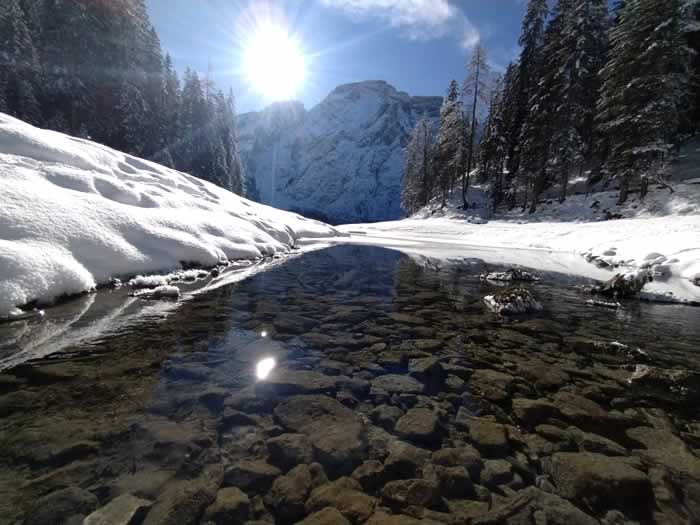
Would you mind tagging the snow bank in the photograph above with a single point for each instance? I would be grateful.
(74, 214)
(668, 246)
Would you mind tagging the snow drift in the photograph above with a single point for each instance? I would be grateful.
(74, 214)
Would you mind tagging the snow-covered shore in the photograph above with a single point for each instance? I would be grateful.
(74, 214)
(671, 245)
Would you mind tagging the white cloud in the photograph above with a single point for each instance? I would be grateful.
(471, 36)
(420, 19)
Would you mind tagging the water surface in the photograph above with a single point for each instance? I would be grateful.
(158, 401)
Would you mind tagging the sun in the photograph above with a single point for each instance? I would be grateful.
(274, 63)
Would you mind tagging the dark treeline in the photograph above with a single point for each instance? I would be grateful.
(609, 94)
(95, 69)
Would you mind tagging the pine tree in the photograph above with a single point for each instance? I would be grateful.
(418, 168)
(644, 83)
(68, 45)
(194, 117)
(692, 32)
(450, 147)
(171, 103)
(154, 92)
(476, 89)
(233, 155)
(531, 40)
(133, 110)
(493, 147)
(19, 65)
(509, 132)
(575, 58)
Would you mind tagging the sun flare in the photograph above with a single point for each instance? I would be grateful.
(274, 63)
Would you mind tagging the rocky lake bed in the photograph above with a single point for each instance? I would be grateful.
(355, 385)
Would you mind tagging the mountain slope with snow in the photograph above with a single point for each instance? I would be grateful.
(340, 160)
(74, 214)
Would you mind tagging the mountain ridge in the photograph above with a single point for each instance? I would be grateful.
(342, 159)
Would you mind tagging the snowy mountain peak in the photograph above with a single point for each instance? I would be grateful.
(342, 159)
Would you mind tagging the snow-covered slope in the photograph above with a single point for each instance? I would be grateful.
(342, 159)
(74, 214)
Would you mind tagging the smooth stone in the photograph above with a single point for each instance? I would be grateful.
(601, 481)
(454, 481)
(489, 437)
(231, 507)
(589, 442)
(581, 411)
(58, 506)
(289, 450)
(404, 460)
(386, 416)
(532, 412)
(293, 324)
(455, 384)
(429, 370)
(467, 510)
(337, 434)
(251, 475)
(382, 518)
(419, 492)
(286, 382)
(344, 494)
(183, 502)
(394, 383)
(290, 492)
(419, 425)
(532, 505)
(371, 475)
(491, 384)
(122, 510)
(326, 516)
(496, 472)
(466, 456)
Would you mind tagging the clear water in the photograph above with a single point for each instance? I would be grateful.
(134, 410)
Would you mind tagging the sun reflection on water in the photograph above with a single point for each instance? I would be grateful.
(264, 367)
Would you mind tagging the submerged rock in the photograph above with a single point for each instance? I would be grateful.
(326, 516)
(419, 425)
(231, 507)
(345, 494)
(512, 301)
(59, 506)
(532, 505)
(601, 482)
(395, 383)
(251, 475)
(681, 382)
(337, 434)
(290, 492)
(419, 492)
(122, 510)
(289, 450)
(183, 502)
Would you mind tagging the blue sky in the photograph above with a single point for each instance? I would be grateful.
(416, 45)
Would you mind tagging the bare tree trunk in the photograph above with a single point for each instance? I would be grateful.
(644, 189)
(565, 183)
(537, 188)
(624, 190)
(465, 187)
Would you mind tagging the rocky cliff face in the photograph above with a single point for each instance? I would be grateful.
(341, 160)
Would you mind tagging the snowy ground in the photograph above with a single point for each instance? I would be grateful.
(74, 214)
